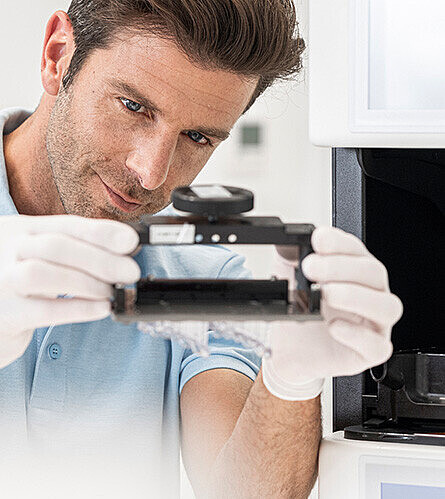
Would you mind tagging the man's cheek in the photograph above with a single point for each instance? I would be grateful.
(109, 134)
(188, 170)
(109, 146)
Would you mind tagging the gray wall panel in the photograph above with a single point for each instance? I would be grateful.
(347, 213)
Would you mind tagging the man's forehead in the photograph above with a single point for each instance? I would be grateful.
(156, 65)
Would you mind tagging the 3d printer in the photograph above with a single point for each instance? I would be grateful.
(376, 99)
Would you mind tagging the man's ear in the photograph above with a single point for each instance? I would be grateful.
(58, 50)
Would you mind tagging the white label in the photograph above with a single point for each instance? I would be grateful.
(172, 234)
(211, 191)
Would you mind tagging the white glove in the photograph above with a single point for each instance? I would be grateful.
(358, 309)
(42, 258)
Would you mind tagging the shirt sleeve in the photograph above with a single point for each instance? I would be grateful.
(224, 354)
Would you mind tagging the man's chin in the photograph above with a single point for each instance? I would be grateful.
(118, 216)
(115, 214)
(106, 210)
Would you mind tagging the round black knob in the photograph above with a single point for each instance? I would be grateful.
(213, 201)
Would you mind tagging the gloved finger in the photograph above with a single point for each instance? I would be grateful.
(334, 241)
(364, 270)
(382, 308)
(374, 347)
(307, 349)
(39, 278)
(330, 314)
(111, 235)
(68, 251)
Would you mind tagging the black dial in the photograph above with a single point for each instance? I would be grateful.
(213, 201)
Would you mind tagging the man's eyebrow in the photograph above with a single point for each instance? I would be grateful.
(135, 95)
(213, 132)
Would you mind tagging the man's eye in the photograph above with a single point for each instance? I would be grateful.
(132, 106)
(198, 138)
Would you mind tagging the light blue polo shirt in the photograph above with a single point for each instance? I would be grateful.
(106, 383)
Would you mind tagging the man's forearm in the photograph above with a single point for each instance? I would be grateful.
(272, 451)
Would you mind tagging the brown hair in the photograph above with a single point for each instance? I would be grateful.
(248, 37)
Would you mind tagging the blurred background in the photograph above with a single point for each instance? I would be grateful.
(269, 151)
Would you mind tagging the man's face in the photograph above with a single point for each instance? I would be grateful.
(141, 120)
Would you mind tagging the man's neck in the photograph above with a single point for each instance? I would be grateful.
(30, 178)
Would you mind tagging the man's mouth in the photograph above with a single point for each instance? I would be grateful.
(120, 201)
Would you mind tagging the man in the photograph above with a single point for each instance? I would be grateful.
(137, 95)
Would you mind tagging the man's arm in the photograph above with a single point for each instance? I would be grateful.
(238, 440)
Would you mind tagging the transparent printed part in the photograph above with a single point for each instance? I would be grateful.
(195, 335)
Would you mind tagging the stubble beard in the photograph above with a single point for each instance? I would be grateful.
(63, 153)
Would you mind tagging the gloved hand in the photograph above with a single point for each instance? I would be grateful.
(358, 310)
(42, 258)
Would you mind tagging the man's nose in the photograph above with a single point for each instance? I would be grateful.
(150, 160)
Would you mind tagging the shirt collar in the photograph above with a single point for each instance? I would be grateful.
(10, 120)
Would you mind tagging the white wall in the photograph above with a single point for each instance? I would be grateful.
(22, 27)
(290, 177)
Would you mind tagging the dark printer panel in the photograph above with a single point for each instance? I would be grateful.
(394, 200)
(404, 226)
